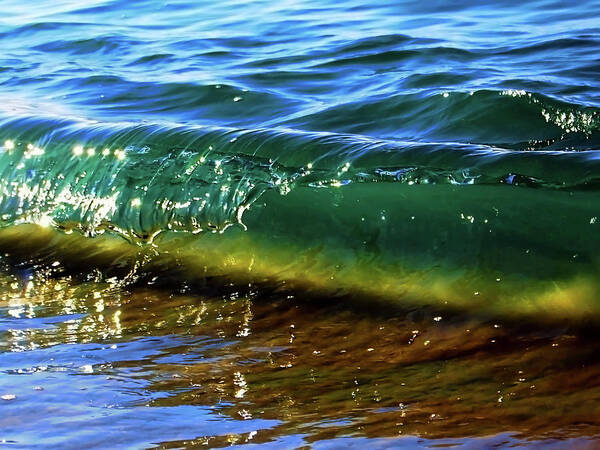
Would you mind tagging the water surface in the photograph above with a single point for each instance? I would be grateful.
(299, 223)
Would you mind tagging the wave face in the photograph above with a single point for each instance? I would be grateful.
(410, 153)
(145, 179)
(504, 231)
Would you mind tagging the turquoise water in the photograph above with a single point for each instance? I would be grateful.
(405, 162)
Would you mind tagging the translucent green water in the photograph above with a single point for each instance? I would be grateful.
(469, 226)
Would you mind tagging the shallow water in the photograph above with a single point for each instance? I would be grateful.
(301, 223)
(92, 363)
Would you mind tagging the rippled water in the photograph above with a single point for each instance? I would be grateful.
(299, 223)
(90, 363)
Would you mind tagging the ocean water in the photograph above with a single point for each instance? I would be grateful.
(299, 224)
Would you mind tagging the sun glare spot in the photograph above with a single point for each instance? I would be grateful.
(45, 221)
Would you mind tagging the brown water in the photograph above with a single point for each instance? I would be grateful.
(91, 362)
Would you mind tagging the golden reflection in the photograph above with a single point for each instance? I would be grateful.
(437, 377)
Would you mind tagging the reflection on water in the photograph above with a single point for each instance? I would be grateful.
(90, 362)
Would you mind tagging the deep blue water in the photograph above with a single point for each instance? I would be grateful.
(176, 175)
(425, 71)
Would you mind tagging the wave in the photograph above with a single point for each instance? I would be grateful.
(535, 121)
(495, 230)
